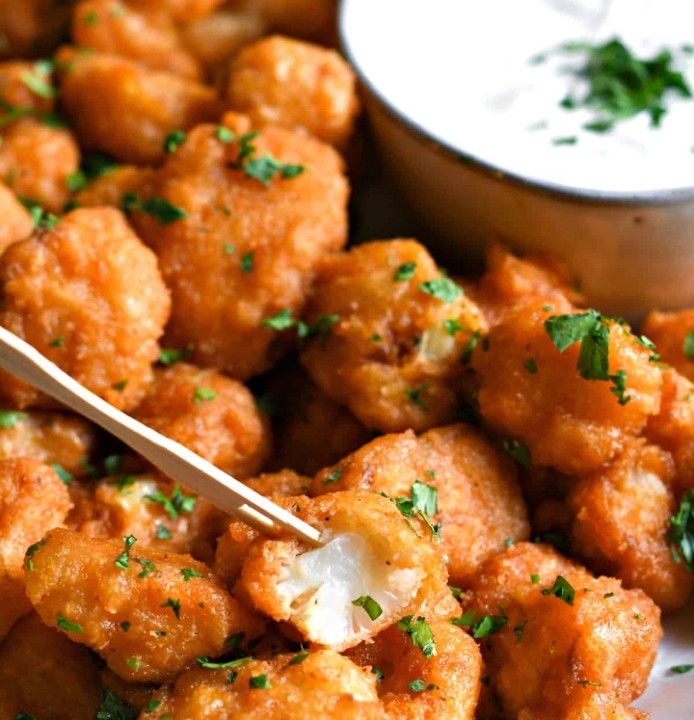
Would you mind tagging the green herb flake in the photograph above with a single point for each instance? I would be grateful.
(371, 607)
(159, 208)
(174, 140)
(65, 624)
(57, 342)
(189, 573)
(519, 630)
(224, 134)
(132, 663)
(162, 533)
(39, 83)
(123, 560)
(259, 682)
(688, 345)
(453, 326)
(561, 589)
(534, 578)
(589, 683)
(471, 345)
(456, 592)
(483, 627)
(247, 262)
(125, 626)
(62, 473)
(377, 672)
(152, 705)
(114, 708)
(531, 366)
(210, 665)
(10, 418)
(203, 394)
(420, 685)
(299, 657)
(171, 356)
(420, 633)
(31, 551)
(680, 535)
(405, 272)
(333, 476)
(566, 140)
(120, 385)
(416, 396)
(175, 605)
(148, 567)
(90, 19)
(76, 181)
(519, 452)
(443, 289)
(228, 249)
(619, 386)
(681, 669)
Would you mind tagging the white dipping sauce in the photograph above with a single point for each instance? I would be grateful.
(463, 71)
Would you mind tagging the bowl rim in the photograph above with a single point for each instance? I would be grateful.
(661, 197)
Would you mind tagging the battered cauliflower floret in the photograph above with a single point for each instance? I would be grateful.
(89, 296)
(16, 221)
(32, 501)
(245, 250)
(281, 81)
(117, 28)
(148, 614)
(31, 28)
(149, 104)
(44, 675)
(17, 78)
(538, 396)
(36, 161)
(399, 336)
(673, 335)
(478, 501)
(373, 568)
(209, 413)
(319, 685)
(56, 439)
(559, 644)
(414, 687)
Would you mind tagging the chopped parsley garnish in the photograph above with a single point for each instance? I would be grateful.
(619, 386)
(189, 573)
(284, 320)
(456, 592)
(177, 504)
(152, 705)
(31, 551)
(259, 682)
(422, 503)
(519, 630)
(483, 627)
(443, 289)
(405, 272)
(688, 345)
(420, 685)
(125, 626)
(65, 624)
(531, 366)
(420, 633)
(235, 640)
(223, 134)
(174, 140)
(175, 605)
(416, 396)
(247, 262)
(534, 578)
(378, 673)
(206, 663)
(202, 394)
(299, 657)
(333, 477)
(132, 663)
(10, 418)
(371, 607)
(263, 168)
(681, 669)
(120, 385)
(38, 81)
(62, 473)
(622, 85)
(680, 536)
(123, 560)
(566, 140)
(57, 342)
(171, 356)
(76, 181)
(160, 208)
(519, 452)
(148, 567)
(114, 708)
(469, 348)
(228, 248)
(589, 683)
(561, 589)
(453, 326)
(162, 533)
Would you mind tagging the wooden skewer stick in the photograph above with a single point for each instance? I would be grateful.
(178, 462)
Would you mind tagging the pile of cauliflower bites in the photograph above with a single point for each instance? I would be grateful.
(503, 478)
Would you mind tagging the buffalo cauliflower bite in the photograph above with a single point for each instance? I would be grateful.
(88, 295)
(32, 501)
(414, 687)
(116, 28)
(44, 675)
(294, 84)
(373, 567)
(16, 220)
(478, 501)
(318, 685)
(620, 524)
(559, 644)
(399, 336)
(16, 95)
(248, 244)
(673, 335)
(148, 614)
(209, 413)
(536, 395)
(149, 104)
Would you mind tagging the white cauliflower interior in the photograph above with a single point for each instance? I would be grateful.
(320, 585)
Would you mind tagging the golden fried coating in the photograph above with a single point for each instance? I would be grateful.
(673, 427)
(393, 353)
(117, 28)
(110, 188)
(244, 251)
(283, 483)
(32, 501)
(31, 28)
(45, 675)
(673, 335)
(535, 394)
(17, 78)
(209, 413)
(620, 524)
(371, 554)
(36, 161)
(149, 104)
(510, 280)
(559, 644)
(306, 686)
(412, 687)
(88, 295)
(182, 11)
(49, 437)
(480, 506)
(149, 614)
(157, 512)
(281, 81)
(16, 221)
(311, 430)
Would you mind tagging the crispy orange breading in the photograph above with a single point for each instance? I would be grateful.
(283, 483)
(315, 686)
(149, 619)
(149, 104)
(88, 295)
(16, 221)
(569, 645)
(16, 80)
(400, 334)
(244, 251)
(209, 413)
(370, 551)
(36, 161)
(45, 675)
(116, 28)
(281, 81)
(533, 393)
(110, 188)
(31, 28)
(412, 687)
(620, 524)
(479, 501)
(670, 332)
